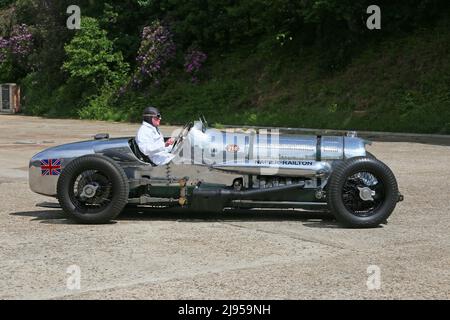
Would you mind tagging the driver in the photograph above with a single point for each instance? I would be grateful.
(150, 140)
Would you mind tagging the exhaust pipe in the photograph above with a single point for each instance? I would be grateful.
(214, 200)
(229, 194)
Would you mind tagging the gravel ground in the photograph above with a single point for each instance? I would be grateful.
(241, 255)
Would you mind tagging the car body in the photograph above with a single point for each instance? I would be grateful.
(217, 169)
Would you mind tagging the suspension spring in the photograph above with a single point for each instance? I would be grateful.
(168, 173)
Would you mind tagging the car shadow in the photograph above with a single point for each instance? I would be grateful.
(313, 219)
(45, 216)
(179, 214)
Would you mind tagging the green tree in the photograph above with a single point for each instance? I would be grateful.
(91, 58)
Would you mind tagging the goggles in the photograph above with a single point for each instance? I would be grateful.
(158, 116)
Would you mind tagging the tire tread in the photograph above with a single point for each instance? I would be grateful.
(334, 192)
(118, 203)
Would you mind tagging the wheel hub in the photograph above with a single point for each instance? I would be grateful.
(366, 194)
(89, 190)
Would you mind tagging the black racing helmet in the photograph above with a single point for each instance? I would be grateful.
(150, 112)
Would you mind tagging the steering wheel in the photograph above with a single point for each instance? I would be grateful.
(181, 136)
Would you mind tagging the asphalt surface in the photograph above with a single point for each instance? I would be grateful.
(241, 255)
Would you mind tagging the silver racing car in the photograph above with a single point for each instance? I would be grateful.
(215, 170)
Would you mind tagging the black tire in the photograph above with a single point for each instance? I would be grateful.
(108, 177)
(341, 190)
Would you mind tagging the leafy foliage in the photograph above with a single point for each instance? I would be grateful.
(257, 58)
(194, 60)
(91, 59)
(157, 49)
(15, 50)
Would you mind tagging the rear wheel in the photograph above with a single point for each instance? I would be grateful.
(92, 189)
(362, 192)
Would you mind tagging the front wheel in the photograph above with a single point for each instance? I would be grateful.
(92, 189)
(362, 192)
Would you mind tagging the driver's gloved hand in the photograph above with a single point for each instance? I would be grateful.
(170, 142)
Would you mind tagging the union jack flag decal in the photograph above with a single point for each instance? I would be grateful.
(51, 167)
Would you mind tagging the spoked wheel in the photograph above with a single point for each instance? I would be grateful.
(362, 192)
(93, 189)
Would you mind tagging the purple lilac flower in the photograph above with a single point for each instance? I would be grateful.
(157, 48)
(21, 41)
(19, 44)
(194, 61)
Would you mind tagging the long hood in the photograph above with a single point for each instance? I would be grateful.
(216, 146)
